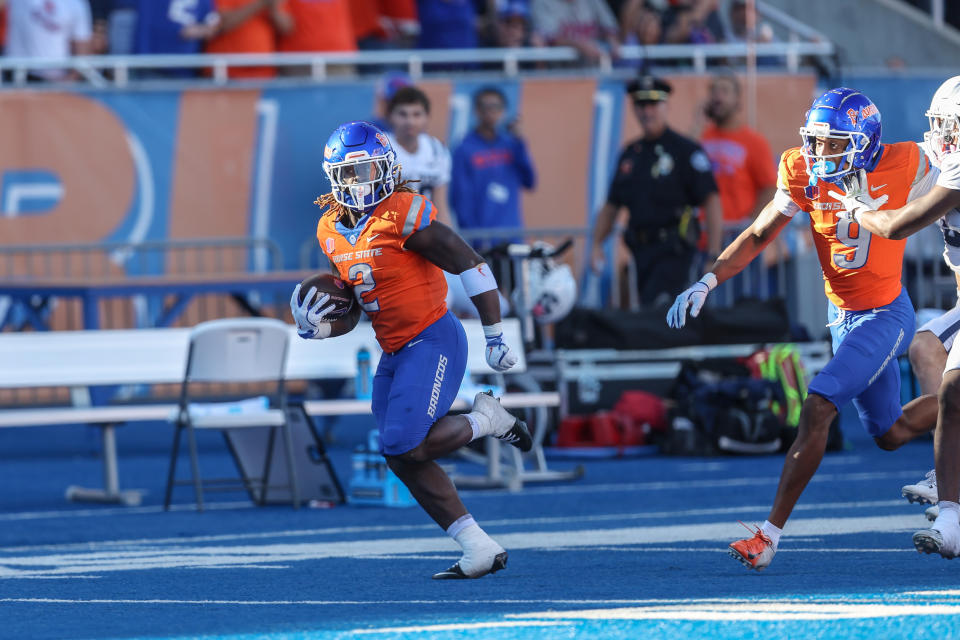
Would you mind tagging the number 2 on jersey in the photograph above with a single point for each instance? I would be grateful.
(861, 244)
(367, 283)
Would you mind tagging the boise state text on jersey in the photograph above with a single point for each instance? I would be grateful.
(861, 271)
(410, 290)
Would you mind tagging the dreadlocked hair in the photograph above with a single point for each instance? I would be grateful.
(334, 208)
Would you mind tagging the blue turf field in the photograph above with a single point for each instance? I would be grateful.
(636, 549)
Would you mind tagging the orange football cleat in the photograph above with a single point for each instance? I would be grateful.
(756, 552)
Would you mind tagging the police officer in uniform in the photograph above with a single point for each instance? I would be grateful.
(660, 180)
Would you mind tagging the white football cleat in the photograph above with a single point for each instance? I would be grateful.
(943, 537)
(506, 426)
(924, 492)
(932, 513)
(476, 563)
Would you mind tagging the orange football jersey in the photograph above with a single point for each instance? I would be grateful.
(860, 270)
(401, 292)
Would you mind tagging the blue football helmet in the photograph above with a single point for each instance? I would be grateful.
(841, 113)
(361, 165)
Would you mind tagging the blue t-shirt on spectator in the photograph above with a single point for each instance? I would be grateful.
(447, 24)
(159, 23)
(486, 180)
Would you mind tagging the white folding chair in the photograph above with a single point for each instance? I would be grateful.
(235, 350)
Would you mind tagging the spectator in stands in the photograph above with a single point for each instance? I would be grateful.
(319, 25)
(692, 22)
(49, 29)
(660, 179)
(384, 24)
(170, 26)
(400, 20)
(512, 27)
(743, 164)
(250, 26)
(586, 25)
(421, 156)
(389, 84)
(3, 23)
(114, 26)
(447, 24)
(490, 167)
(738, 32)
(639, 24)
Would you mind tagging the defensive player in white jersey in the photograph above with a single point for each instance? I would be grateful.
(942, 204)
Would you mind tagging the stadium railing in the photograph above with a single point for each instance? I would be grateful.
(121, 71)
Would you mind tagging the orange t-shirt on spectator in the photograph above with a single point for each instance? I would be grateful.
(320, 25)
(742, 166)
(256, 35)
(402, 13)
(365, 17)
(402, 10)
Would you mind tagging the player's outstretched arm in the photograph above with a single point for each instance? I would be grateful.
(751, 241)
(899, 223)
(442, 246)
(732, 261)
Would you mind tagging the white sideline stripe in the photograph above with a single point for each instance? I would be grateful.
(760, 602)
(753, 611)
(184, 556)
(505, 522)
(463, 626)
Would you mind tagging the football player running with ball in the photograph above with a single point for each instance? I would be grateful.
(870, 315)
(382, 238)
(941, 204)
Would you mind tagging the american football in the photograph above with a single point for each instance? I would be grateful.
(341, 293)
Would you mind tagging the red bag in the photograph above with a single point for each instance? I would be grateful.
(642, 408)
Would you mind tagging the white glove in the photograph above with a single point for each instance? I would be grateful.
(309, 318)
(499, 355)
(857, 198)
(694, 297)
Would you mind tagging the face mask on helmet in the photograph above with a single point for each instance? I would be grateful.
(944, 118)
(360, 182)
(822, 164)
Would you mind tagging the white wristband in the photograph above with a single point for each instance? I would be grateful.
(478, 279)
(710, 280)
(492, 330)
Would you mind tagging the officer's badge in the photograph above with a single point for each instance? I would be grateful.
(664, 164)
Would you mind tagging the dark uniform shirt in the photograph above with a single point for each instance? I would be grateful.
(659, 181)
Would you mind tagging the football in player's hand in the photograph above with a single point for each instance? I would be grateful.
(341, 293)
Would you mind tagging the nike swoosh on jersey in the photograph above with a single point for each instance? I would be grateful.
(410, 344)
(879, 186)
(373, 237)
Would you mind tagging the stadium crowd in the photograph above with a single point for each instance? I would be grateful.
(595, 28)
